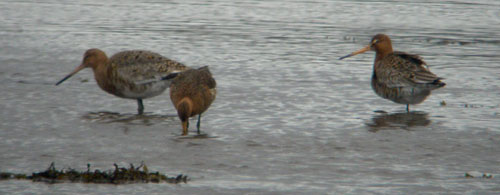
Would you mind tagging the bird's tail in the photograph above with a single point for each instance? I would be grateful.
(170, 76)
(157, 78)
(437, 83)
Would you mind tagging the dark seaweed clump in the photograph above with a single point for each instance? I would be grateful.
(120, 175)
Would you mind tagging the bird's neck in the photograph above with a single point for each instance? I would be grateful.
(103, 76)
(381, 54)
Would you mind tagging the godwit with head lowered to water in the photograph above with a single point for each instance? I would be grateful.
(123, 74)
(400, 77)
(192, 92)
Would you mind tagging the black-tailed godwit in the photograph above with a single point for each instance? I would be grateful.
(397, 76)
(192, 92)
(122, 74)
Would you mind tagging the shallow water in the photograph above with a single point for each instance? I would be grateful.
(289, 118)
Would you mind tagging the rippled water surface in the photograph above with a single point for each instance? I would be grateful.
(289, 118)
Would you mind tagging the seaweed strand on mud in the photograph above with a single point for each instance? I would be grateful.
(120, 175)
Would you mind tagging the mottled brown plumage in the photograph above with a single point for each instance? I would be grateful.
(400, 77)
(123, 74)
(192, 92)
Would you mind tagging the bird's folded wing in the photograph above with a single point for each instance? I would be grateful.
(140, 74)
(405, 70)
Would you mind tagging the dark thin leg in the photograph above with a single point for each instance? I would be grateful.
(198, 124)
(140, 109)
(407, 107)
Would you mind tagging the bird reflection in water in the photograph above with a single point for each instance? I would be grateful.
(129, 119)
(398, 120)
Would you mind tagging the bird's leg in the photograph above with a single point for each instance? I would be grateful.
(198, 124)
(140, 109)
(407, 107)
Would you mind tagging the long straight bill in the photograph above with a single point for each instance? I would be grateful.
(363, 50)
(71, 74)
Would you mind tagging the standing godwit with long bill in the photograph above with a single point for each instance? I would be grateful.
(123, 74)
(397, 76)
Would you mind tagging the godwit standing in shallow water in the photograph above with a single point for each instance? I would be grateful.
(400, 77)
(122, 74)
(192, 92)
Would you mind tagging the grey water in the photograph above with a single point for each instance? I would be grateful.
(289, 118)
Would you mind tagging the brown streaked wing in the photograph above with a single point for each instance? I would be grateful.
(400, 69)
(139, 65)
(207, 77)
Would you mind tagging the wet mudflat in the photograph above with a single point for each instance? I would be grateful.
(289, 117)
